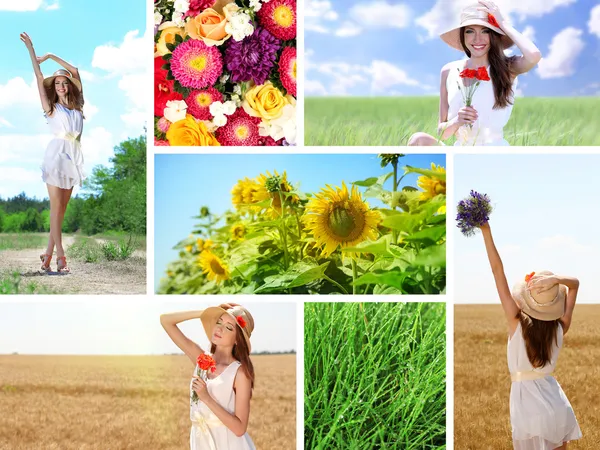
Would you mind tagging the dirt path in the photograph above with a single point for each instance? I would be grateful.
(106, 277)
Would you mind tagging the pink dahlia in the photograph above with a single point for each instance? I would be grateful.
(199, 102)
(161, 143)
(163, 124)
(268, 141)
(287, 69)
(279, 18)
(197, 6)
(194, 64)
(240, 129)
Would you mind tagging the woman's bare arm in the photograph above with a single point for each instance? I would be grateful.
(446, 128)
(511, 310)
(38, 72)
(169, 323)
(543, 283)
(71, 68)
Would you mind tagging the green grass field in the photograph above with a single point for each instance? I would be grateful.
(375, 376)
(392, 120)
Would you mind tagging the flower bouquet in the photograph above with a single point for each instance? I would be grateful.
(204, 363)
(472, 212)
(225, 72)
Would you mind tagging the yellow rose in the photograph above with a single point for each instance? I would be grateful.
(265, 101)
(209, 25)
(189, 132)
(167, 36)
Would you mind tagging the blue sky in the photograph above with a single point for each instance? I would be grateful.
(184, 183)
(126, 328)
(391, 47)
(544, 218)
(105, 41)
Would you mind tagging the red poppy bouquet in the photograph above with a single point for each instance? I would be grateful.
(468, 92)
(225, 72)
(204, 363)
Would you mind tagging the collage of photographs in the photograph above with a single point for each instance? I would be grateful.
(159, 293)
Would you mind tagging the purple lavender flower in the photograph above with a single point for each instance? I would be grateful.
(472, 212)
(253, 57)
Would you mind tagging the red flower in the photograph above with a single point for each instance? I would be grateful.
(482, 74)
(492, 20)
(206, 362)
(468, 73)
(163, 88)
(529, 276)
(213, 369)
(241, 321)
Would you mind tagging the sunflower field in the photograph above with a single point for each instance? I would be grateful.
(277, 239)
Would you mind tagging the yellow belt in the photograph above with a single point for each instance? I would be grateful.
(203, 426)
(526, 376)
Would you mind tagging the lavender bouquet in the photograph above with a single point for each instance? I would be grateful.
(472, 212)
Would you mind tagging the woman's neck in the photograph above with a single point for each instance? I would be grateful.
(223, 355)
(481, 61)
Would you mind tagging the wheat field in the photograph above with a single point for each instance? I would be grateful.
(128, 402)
(482, 382)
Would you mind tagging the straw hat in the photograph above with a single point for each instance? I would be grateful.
(548, 305)
(240, 314)
(49, 81)
(472, 16)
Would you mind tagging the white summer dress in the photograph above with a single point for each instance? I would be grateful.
(208, 432)
(540, 413)
(63, 160)
(489, 127)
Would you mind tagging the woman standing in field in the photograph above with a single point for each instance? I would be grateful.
(62, 101)
(538, 314)
(219, 393)
(483, 35)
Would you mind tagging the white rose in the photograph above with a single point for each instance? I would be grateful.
(216, 108)
(248, 29)
(175, 110)
(178, 19)
(237, 89)
(219, 120)
(229, 108)
(157, 18)
(181, 6)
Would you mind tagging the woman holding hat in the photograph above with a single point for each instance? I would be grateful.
(483, 35)
(220, 403)
(62, 168)
(538, 313)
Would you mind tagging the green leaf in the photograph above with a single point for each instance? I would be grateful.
(316, 273)
(166, 66)
(178, 39)
(427, 172)
(167, 57)
(432, 234)
(366, 183)
(394, 278)
(378, 247)
(432, 256)
(301, 273)
(171, 47)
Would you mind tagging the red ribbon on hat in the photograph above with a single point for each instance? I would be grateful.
(492, 20)
(529, 276)
(241, 321)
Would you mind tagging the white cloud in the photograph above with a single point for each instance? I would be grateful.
(445, 14)
(562, 242)
(130, 56)
(17, 91)
(26, 5)
(529, 33)
(348, 29)
(26, 149)
(381, 13)
(5, 123)
(594, 23)
(314, 87)
(509, 249)
(14, 180)
(385, 74)
(97, 146)
(89, 110)
(316, 15)
(87, 76)
(564, 50)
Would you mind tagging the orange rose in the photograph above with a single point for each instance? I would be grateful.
(209, 25)
(189, 132)
(168, 31)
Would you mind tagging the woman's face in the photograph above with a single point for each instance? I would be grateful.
(225, 331)
(61, 85)
(477, 40)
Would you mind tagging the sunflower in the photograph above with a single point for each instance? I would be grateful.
(432, 186)
(238, 231)
(213, 267)
(243, 194)
(202, 245)
(264, 187)
(337, 217)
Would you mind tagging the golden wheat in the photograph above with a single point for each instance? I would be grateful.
(482, 382)
(128, 402)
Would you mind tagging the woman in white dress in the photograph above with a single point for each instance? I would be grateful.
(538, 313)
(483, 35)
(219, 403)
(62, 101)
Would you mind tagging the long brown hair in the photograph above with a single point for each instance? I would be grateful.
(74, 97)
(539, 336)
(241, 352)
(500, 69)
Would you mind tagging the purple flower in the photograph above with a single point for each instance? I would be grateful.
(472, 212)
(253, 57)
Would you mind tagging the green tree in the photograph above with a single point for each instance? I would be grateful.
(33, 221)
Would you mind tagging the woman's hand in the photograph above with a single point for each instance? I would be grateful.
(491, 8)
(200, 388)
(542, 283)
(41, 59)
(27, 41)
(467, 115)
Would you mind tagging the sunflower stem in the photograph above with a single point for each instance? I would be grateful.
(332, 281)
(283, 230)
(354, 277)
(299, 236)
(394, 189)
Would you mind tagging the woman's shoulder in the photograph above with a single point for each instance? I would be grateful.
(452, 65)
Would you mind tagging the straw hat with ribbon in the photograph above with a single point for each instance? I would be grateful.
(240, 314)
(471, 15)
(49, 81)
(548, 305)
